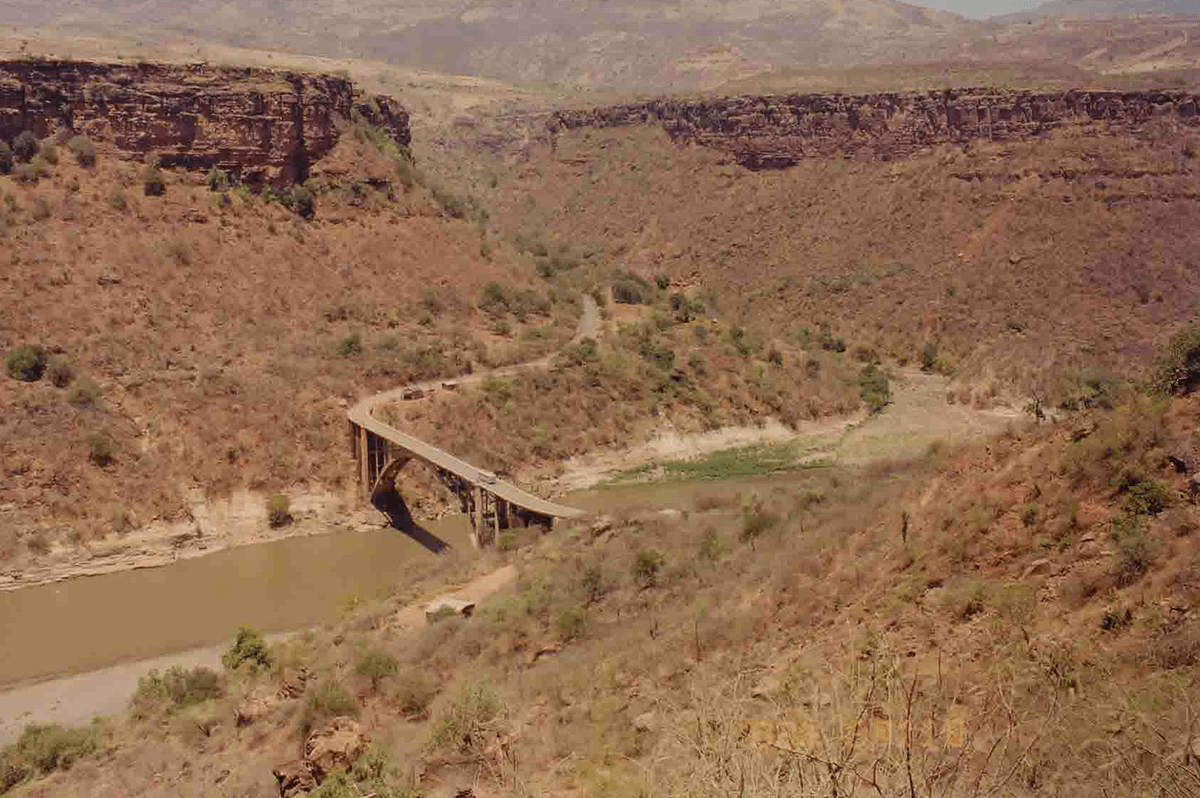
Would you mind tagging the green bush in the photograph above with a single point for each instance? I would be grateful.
(48, 152)
(506, 542)
(217, 180)
(874, 388)
(279, 510)
(303, 202)
(929, 357)
(43, 749)
(152, 181)
(25, 146)
(85, 393)
(376, 665)
(1147, 497)
(755, 522)
(1178, 368)
(628, 292)
(26, 363)
(647, 566)
(6, 158)
(662, 281)
(828, 342)
(175, 689)
(351, 345)
(83, 149)
(101, 450)
(248, 648)
(1029, 516)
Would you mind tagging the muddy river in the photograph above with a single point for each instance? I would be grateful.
(87, 623)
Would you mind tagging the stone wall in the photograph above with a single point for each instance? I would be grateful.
(263, 125)
(777, 131)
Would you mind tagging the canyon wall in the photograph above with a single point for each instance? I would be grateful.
(265, 126)
(773, 132)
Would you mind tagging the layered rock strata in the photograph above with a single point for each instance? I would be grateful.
(265, 126)
(773, 132)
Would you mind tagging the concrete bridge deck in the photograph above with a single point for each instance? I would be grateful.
(382, 450)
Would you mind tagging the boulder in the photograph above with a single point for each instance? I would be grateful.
(333, 747)
(600, 526)
(294, 779)
(646, 722)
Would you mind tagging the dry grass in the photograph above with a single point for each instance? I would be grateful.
(827, 655)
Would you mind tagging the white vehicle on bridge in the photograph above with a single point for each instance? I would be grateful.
(487, 477)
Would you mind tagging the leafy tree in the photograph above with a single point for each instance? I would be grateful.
(83, 149)
(152, 181)
(249, 647)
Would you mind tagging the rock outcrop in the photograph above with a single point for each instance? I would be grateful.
(774, 132)
(333, 747)
(262, 125)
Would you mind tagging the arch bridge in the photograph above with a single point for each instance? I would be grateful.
(381, 451)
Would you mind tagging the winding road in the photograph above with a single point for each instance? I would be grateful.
(363, 415)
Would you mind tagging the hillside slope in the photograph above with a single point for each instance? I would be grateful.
(1018, 261)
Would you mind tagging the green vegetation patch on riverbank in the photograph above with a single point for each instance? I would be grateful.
(739, 461)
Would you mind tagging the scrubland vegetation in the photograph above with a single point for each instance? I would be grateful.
(1013, 617)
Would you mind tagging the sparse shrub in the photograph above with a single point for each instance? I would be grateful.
(303, 202)
(414, 693)
(1190, 149)
(812, 367)
(1147, 497)
(152, 181)
(249, 648)
(647, 566)
(506, 542)
(969, 600)
(179, 251)
(594, 583)
(6, 158)
(33, 171)
(1136, 551)
(755, 522)
(662, 281)
(83, 149)
(279, 510)
(85, 393)
(628, 292)
(100, 449)
(775, 357)
(60, 372)
(25, 146)
(571, 623)
(463, 724)
(929, 357)
(1178, 368)
(329, 699)
(176, 689)
(49, 152)
(874, 388)
(217, 180)
(117, 201)
(376, 665)
(351, 345)
(710, 545)
(1029, 516)
(43, 749)
(1114, 620)
(26, 363)
(1177, 648)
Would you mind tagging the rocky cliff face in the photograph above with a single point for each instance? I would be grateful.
(263, 125)
(777, 131)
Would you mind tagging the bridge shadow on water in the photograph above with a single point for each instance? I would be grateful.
(392, 504)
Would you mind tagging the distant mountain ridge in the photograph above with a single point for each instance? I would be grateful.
(1104, 8)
